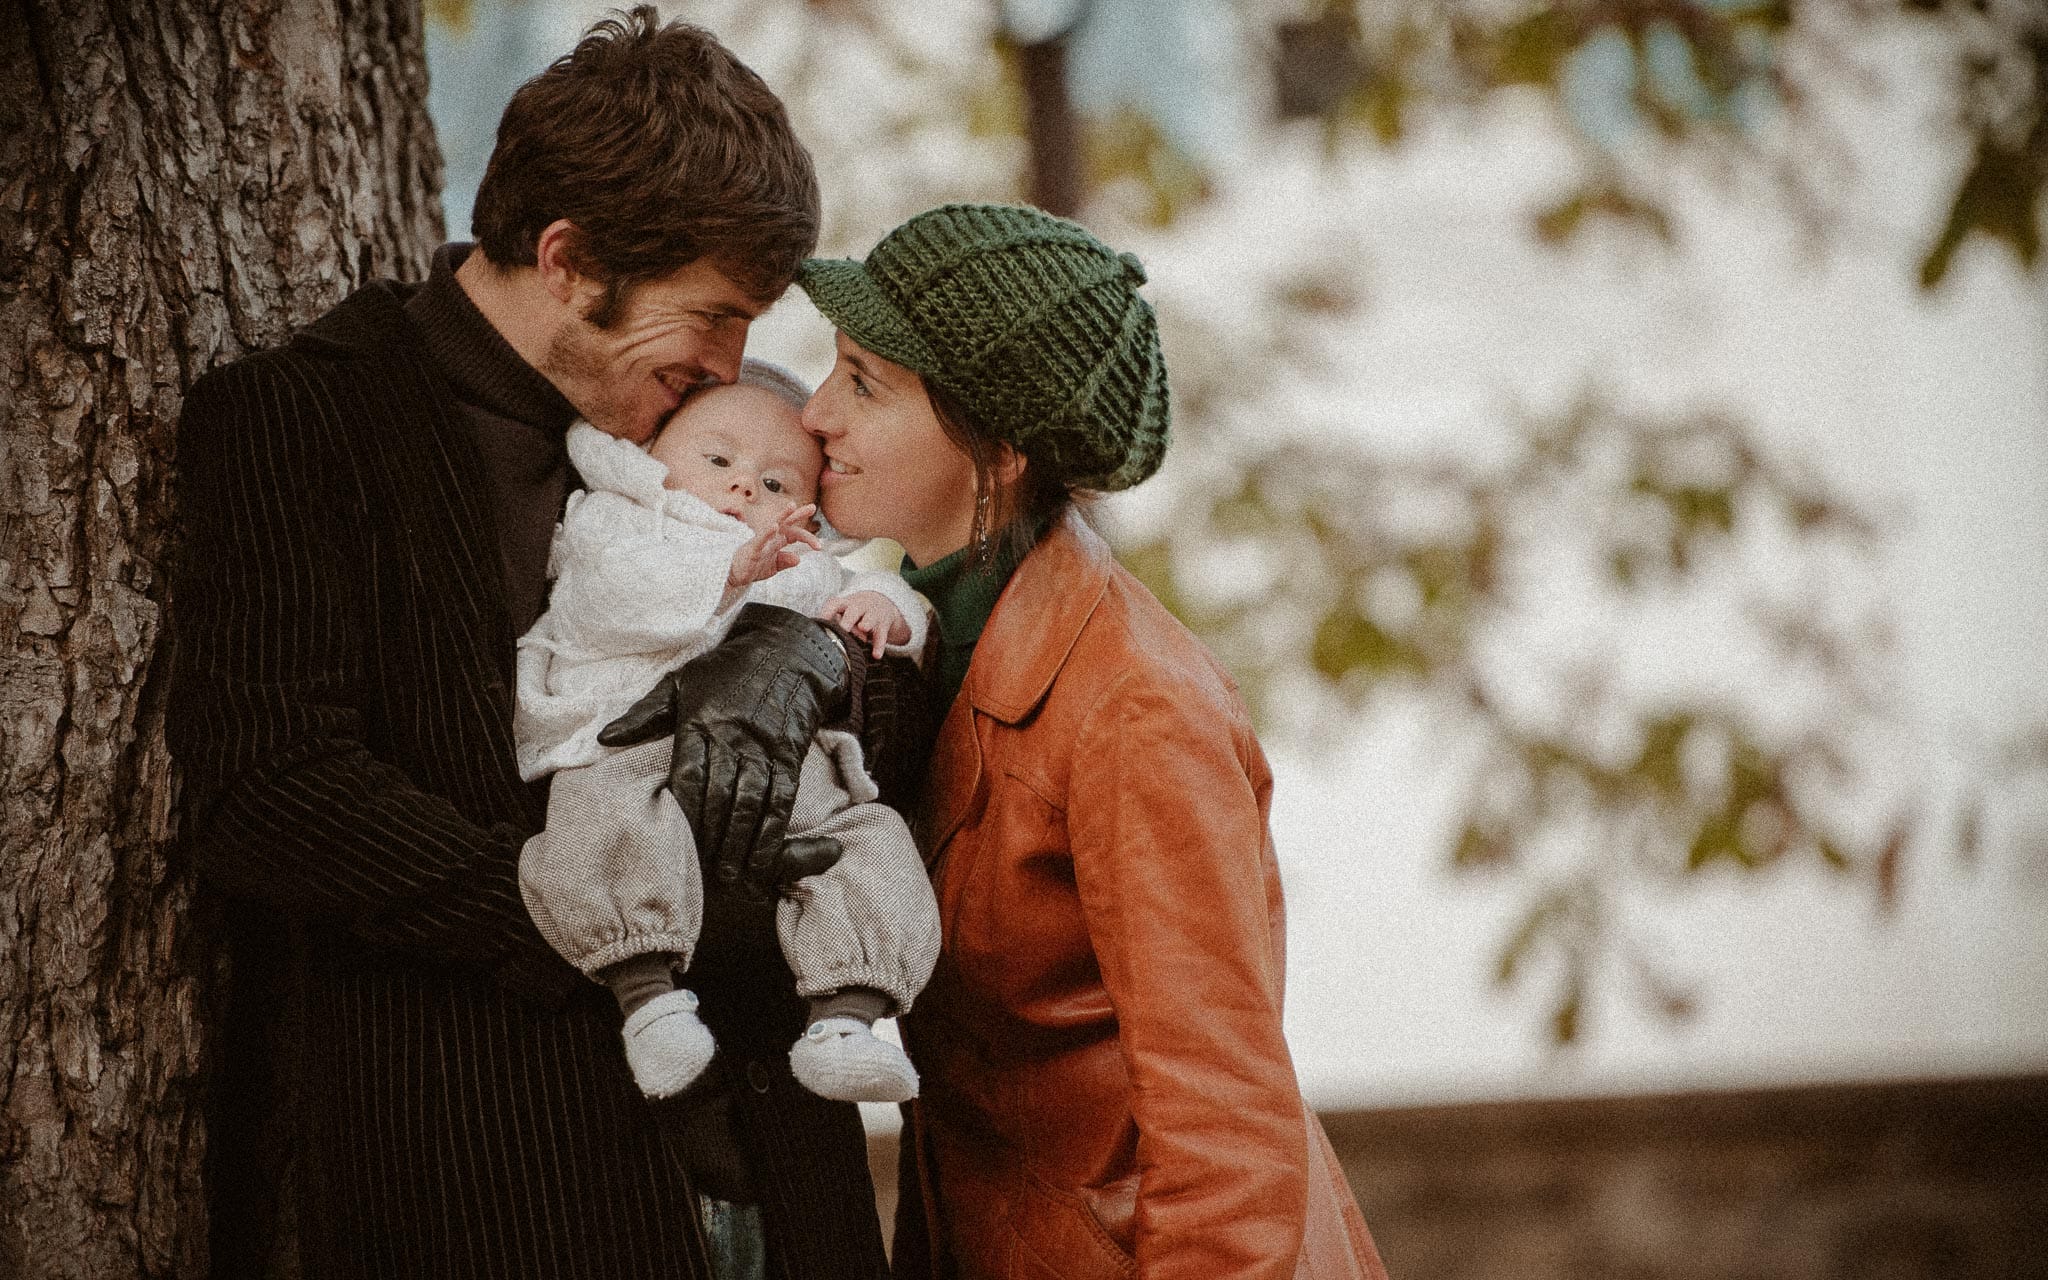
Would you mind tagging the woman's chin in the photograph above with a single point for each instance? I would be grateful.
(845, 523)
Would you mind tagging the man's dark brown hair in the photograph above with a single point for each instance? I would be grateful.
(661, 148)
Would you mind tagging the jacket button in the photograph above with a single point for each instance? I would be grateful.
(757, 1075)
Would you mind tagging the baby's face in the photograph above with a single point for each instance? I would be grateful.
(743, 450)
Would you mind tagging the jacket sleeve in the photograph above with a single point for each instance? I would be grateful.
(1167, 828)
(285, 802)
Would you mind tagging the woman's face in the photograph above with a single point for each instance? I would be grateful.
(890, 469)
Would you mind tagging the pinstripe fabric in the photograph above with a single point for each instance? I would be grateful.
(453, 1101)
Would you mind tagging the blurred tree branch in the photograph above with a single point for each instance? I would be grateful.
(1702, 76)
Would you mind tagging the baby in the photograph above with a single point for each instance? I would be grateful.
(650, 563)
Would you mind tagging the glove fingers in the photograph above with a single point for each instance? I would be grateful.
(806, 856)
(688, 766)
(769, 841)
(715, 809)
(753, 776)
(653, 716)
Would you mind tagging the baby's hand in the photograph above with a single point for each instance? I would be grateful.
(870, 615)
(763, 555)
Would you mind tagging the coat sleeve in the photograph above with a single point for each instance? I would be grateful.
(1167, 828)
(285, 802)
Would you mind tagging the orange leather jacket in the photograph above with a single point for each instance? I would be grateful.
(1106, 1092)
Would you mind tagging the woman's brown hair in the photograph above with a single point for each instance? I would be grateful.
(661, 148)
(1008, 519)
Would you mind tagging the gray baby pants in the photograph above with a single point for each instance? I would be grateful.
(615, 875)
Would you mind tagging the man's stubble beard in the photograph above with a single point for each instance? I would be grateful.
(580, 372)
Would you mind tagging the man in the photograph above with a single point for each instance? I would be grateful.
(413, 1083)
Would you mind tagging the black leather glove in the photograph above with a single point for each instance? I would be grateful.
(743, 715)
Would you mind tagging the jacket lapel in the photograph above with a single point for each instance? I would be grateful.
(437, 483)
(1028, 637)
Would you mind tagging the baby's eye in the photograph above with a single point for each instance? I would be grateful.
(771, 484)
(716, 460)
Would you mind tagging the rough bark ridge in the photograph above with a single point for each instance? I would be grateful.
(180, 181)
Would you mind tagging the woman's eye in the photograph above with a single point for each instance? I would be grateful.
(859, 388)
(772, 485)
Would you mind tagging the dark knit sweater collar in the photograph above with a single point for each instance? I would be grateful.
(481, 365)
(963, 597)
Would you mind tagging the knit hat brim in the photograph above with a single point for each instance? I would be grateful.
(847, 294)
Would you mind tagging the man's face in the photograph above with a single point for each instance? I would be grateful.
(671, 334)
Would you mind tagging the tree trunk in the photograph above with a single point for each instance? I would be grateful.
(180, 181)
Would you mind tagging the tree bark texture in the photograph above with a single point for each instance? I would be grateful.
(180, 181)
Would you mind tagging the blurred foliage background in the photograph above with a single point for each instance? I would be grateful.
(1329, 572)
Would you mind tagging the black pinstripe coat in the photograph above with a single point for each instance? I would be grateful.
(442, 1095)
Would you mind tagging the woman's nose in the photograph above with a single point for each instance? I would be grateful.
(814, 417)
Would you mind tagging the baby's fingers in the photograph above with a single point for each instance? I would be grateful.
(861, 621)
(795, 525)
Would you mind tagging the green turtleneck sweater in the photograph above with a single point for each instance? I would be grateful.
(964, 600)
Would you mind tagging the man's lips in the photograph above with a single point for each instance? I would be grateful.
(838, 468)
(676, 386)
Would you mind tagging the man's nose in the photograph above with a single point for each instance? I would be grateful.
(721, 357)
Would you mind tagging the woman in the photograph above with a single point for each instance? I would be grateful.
(1106, 1088)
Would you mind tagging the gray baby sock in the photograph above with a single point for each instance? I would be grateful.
(862, 1004)
(638, 979)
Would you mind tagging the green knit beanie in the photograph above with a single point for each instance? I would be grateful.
(1030, 323)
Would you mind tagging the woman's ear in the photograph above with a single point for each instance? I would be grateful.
(554, 258)
(1009, 464)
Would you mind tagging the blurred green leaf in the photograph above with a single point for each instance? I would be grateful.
(995, 106)
(1565, 1018)
(1440, 572)
(2000, 197)
(452, 15)
(1659, 761)
(1381, 103)
(1718, 839)
(1346, 641)
(1531, 50)
(1540, 919)
(1560, 221)
(1130, 145)
(1152, 564)
(1479, 848)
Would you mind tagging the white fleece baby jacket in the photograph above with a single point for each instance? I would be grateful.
(639, 576)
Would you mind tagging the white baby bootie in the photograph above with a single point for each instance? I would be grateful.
(667, 1045)
(844, 1060)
